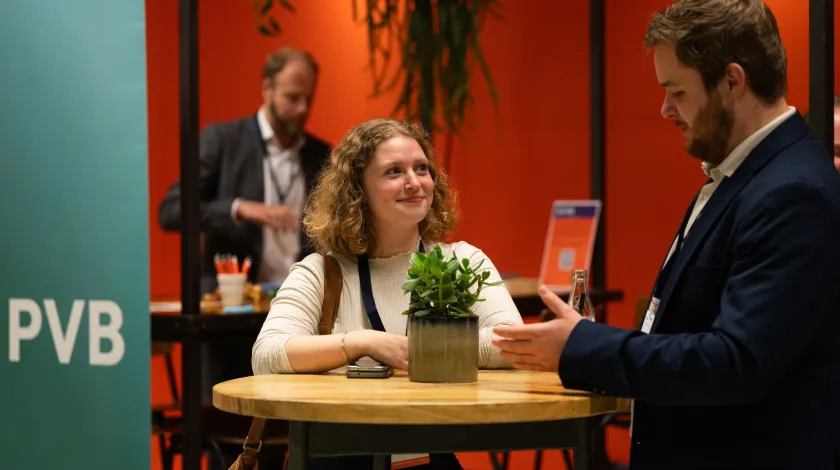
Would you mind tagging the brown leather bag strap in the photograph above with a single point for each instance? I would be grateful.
(333, 280)
(255, 433)
(248, 460)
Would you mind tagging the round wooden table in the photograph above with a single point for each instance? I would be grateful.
(331, 414)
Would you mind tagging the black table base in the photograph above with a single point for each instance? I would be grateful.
(308, 439)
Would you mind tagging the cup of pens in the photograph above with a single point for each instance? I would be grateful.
(231, 277)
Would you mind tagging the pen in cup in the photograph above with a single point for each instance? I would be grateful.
(229, 264)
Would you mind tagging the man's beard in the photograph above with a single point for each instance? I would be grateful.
(710, 131)
(287, 127)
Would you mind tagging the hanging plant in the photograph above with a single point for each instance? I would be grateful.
(266, 24)
(433, 41)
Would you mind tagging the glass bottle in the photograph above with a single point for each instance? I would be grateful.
(579, 296)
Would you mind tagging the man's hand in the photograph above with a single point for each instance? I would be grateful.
(538, 346)
(274, 216)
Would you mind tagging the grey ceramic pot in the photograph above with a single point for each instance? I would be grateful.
(443, 350)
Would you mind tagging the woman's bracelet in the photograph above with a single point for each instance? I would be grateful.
(344, 349)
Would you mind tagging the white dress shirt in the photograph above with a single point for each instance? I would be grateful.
(280, 250)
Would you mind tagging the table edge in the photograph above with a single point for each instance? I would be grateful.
(431, 414)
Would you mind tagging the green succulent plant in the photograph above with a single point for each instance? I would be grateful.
(442, 287)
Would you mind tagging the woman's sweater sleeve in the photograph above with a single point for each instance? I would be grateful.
(296, 310)
(497, 309)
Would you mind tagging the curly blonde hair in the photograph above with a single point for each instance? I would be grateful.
(337, 215)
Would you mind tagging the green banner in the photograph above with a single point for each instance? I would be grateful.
(74, 371)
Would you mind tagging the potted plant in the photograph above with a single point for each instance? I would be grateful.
(442, 329)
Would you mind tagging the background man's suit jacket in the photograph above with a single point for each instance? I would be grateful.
(742, 367)
(231, 166)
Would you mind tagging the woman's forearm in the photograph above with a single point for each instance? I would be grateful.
(315, 354)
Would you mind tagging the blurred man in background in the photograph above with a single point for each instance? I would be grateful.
(254, 175)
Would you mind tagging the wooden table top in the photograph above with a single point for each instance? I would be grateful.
(499, 396)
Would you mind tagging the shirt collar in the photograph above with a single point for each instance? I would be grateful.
(267, 132)
(727, 167)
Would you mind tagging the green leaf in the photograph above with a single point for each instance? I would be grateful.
(485, 275)
(285, 4)
(417, 260)
(410, 285)
(451, 268)
(458, 310)
(422, 313)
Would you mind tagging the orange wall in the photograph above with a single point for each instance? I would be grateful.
(489, 167)
(507, 172)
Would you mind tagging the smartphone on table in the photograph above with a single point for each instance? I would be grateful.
(366, 368)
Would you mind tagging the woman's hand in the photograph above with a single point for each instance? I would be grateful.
(386, 348)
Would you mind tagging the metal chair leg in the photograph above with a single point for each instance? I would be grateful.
(218, 451)
(503, 465)
(166, 458)
(567, 459)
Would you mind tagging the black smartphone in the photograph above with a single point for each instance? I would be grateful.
(369, 370)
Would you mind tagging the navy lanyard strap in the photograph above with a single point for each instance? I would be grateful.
(367, 291)
(281, 197)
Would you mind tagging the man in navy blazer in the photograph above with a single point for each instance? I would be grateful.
(737, 362)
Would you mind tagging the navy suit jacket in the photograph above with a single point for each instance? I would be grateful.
(742, 366)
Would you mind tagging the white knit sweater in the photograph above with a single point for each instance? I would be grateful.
(296, 310)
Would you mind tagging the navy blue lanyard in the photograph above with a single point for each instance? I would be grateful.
(367, 291)
(281, 197)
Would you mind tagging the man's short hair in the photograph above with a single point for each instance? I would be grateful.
(708, 35)
(275, 62)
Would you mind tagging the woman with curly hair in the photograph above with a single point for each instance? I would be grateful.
(380, 198)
